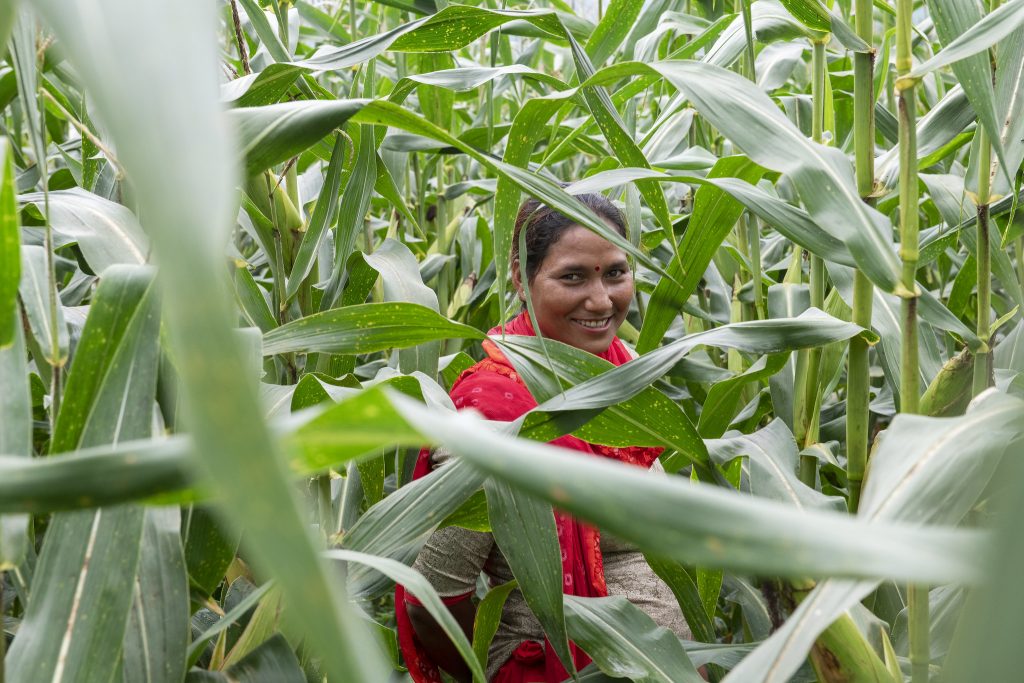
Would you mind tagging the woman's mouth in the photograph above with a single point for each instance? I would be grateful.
(598, 325)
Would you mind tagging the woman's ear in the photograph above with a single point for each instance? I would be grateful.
(517, 280)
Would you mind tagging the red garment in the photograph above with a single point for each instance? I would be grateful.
(494, 388)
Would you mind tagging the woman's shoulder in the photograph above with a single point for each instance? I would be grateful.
(493, 389)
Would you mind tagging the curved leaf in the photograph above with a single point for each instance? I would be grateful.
(363, 329)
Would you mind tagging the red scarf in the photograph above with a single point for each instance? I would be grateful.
(494, 388)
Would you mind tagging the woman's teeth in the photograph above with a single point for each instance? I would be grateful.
(593, 323)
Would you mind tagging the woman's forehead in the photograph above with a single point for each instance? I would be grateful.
(579, 243)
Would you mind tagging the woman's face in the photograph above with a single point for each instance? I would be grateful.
(581, 291)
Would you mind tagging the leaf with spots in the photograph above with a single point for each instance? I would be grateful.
(364, 328)
(75, 623)
(648, 418)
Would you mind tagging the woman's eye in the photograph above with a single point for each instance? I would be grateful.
(616, 272)
(572, 277)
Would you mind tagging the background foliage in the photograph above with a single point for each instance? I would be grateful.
(246, 247)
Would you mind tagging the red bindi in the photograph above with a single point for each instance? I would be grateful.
(597, 268)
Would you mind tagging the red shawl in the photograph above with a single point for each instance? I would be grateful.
(494, 388)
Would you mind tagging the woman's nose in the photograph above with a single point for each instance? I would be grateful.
(598, 298)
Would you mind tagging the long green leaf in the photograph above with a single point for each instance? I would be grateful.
(107, 233)
(626, 643)
(524, 529)
(15, 438)
(239, 453)
(363, 329)
(812, 328)
(647, 419)
(954, 20)
(702, 524)
(926, 470)
(769, 138)
(426, 594)
(158, 633)
(714, 215)
(10, 248)
(75, 622)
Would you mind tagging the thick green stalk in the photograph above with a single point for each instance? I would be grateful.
(909, 376)
(754, 243)
(809, 387)
(858, 371)
(984, 260)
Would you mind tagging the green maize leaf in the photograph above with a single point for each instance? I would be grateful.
(15, 438)
(23, 50)
(75, 625)
(488, 617)
(356, 426)
(703, 524)
(771, 464)
(719, 407)
(8, 15)
(352, 212)
(469, 78)
(266, 33)
(400, 274)
(626, 643)
(810, 329)
(625, 148)
(648, 419)
(769, 21)
(260, 627)
(790, 221)
(239, 455)
(209, 548)
(195, 648)
(619, 19)
(324, 214)
(684, 586)
(272, 662)
(1010, 105)
(364, 328)
(954, 20)
(35, 291)
(770, 139)
(252, 301)
(936, 129)
(714, 215)
(425, 593)
(527, 129)
(331, 27)
(811, 13)
(926, 471)
(414, 510)
(988, 31)
(275, 133)
(263, 88)
(93, 477)
(10, 248)
(157, 635)
(453, 27)
(524, 529)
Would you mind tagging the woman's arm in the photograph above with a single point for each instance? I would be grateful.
(434, 639)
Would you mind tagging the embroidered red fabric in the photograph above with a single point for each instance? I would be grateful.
(494, 388)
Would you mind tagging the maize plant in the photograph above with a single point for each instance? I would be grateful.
(247, 246)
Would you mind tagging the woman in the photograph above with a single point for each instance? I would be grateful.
(581, 287)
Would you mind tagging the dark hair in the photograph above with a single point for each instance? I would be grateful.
(545, 226)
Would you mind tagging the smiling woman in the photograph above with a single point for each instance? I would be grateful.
(581, 287)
